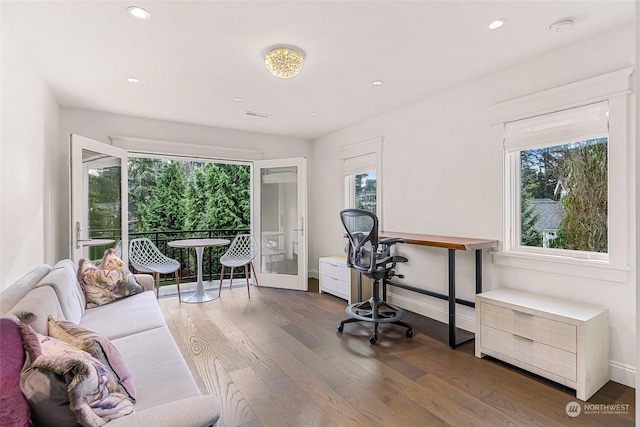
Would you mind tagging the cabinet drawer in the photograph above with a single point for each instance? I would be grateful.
(546, 331)
(551, 359)
(340, 272)
(334, 286)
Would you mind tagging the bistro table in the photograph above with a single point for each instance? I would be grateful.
(199, 244)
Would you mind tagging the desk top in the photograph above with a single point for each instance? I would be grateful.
(447, 242)
(195, 243)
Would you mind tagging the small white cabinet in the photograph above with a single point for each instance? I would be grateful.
(335, 277)
(564, 341)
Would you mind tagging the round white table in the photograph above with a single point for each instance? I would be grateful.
(199, 244)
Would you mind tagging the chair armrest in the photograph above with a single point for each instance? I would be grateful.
(146, 281)
(390, 241)
(197, 411)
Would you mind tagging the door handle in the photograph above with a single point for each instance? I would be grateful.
(300, 229)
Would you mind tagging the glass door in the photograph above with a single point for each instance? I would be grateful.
(99, 209)
(279, 222)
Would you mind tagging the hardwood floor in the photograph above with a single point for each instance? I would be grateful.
(277, 360)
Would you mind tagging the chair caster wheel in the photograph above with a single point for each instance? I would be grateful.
(373, 339)
(409, 333)
(340, 328)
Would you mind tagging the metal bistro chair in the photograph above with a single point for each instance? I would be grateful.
(145, 257)
(242, 251)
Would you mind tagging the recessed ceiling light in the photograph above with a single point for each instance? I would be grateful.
(238, 99)
(498, 23)
(377, 83)
(314, 114)
(138, 12)
(561, 26)
(133, 80)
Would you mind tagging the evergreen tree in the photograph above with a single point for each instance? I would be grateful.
(165, 208)
(197, 195)
(142, 178)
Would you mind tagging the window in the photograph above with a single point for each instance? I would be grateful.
(559, 170)
(361, 175)
(567, 169)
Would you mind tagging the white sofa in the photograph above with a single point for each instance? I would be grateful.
(167, 394)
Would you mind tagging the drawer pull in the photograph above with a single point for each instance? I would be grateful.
(521, 313)
(522, 338)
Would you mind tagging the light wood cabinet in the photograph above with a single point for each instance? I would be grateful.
(564, 341)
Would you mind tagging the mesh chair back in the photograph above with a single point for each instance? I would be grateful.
(242, 251)
(145, 257)
(362, 230)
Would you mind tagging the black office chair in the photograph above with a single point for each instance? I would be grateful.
(371, 257)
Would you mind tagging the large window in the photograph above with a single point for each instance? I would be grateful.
(567, 178)
(558, 168)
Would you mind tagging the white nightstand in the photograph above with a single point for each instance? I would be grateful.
(335, 277)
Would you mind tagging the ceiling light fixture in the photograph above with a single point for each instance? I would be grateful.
(238, 99)
(133, 80)
(377, 83)
(284, 62)
(314, 114)
(138, 12)
(498, 23)
(561, 26)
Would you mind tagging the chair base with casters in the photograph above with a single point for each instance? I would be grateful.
(376, 311)
(246, 275)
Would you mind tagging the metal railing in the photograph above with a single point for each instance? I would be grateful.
(210, 264)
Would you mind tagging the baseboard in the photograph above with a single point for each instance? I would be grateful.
(313, 274)
(623, 374)
(428, 310)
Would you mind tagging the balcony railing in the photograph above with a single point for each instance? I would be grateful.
(211, 261)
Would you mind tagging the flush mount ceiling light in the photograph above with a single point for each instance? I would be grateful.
(284, 62)
(377, 83)
(138, 12)
(498, 23)
(133, 80)
(238, 99)
(561, 26)
(314, 114)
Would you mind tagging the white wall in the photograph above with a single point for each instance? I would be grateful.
(442, 174)
(101, 126)
(29, 116)
(637, 82)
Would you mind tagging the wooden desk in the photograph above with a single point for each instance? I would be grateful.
(452, 244)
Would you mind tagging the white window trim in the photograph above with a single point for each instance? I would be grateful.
(614, 88)
(363, 150)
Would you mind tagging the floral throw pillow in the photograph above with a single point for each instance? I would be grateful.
(97, 346)
(102, 286)
(72, 377)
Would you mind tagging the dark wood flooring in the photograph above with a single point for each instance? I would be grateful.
(277, 360)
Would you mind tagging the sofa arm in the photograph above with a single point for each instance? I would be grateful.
(146, 281)
(198, 411)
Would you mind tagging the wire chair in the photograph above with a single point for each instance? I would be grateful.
(145, 257)
(242, 251)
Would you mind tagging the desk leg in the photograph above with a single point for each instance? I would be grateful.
(452, 298)
(478, 271)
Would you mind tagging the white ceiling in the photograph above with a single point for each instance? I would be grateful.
(194, 58)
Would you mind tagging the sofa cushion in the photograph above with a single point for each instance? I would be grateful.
(97, 346)
(125, 317)
(161, 373)
(42, 302)
(105, 286)
(62, 279)
(14, 293)
(92, 394)
(14, 410)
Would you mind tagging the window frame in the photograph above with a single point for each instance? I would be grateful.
(359, 158)
(613, 88)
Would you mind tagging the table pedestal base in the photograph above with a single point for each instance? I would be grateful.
(195, 298)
